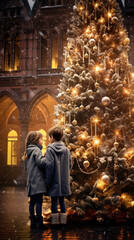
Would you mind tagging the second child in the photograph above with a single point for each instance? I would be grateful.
(58, 165)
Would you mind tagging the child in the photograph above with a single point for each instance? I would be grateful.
(36, 185)
(58, 165)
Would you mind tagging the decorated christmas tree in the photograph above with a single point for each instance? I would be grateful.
(96, 109)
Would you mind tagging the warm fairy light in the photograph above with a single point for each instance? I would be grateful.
(107, 79)
(96, 120)
(97, 68)
(109, 14)
(74, 91)
(83, 136)
(81, 8)
(77, 153)
(117, 133)
(133, 110)
(101, 184)
(96, 5)
(62, 119)
(86, 13)
(126, 91)
(67, 130)
(132, 203)
(76, 49)
(70, 60)
(121, 32)
(132, 75)
(96, 141)
(124, 196)
(101, 20)
(87, 30)
(129, 154)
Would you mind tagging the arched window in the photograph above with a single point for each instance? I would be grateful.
(12, 148)
(8, 53)
(44, 50)
(54, 63)
(16, 52)
(11, 53)
(44, 140)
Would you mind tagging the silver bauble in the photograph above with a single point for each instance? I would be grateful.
(105, 101)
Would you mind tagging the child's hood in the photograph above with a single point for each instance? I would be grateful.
(57, 146)
(31, 148)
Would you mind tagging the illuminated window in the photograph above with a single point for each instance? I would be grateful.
(12, 148)
(55, 50)
(44, 140)
(44, 51)
(16, 53)
(11, 53)
(64, 43)
(8, 45)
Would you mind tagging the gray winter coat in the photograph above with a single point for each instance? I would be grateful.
(35, 168)
(58, 164)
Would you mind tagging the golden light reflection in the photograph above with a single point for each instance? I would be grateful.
(129, 154)
(74, 91)
(101, 184)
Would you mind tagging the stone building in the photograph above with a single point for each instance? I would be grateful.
(33, 34)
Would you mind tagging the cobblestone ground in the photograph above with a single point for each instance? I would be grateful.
(14, 223)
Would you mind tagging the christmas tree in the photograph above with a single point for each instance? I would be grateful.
(97, 111)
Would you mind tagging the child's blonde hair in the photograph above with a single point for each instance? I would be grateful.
(32, 137)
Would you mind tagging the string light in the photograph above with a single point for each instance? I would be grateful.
(117, 133)
(126, 91)
(129, 154)
(74, 91)
(132, 75)
(101, 184)
(96, 142)
(97, 68)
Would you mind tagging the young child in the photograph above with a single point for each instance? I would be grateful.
(58, 165)
(36, 186)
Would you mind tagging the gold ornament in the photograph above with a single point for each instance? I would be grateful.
(105, 101)
(68, 90)
(105, 178)
(103, 136)
(69, 106)
(95, 200)
(86, 164)
(92, 42)
(86, 55)
(90, 92)
(74, 122)
(116, 144)
(88, 145)
(81, 107)
(97, 85)
(95, 48)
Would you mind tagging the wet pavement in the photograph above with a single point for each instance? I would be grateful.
(14, 223)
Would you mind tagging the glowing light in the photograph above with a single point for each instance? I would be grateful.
(87, 30)
(96, 142)
(77, 153)
(132, 75)
(97, 68)
(70, 60)
(83, 136)
(117, 133)
(107, 79)
(132, 203)
(75, 91)
(67, 130)
(124, 196)
(96, 120)
(101, 20)
(96, 5)
(129, 154)
(81, 8)
(109, 14)
(126, 91)
(101, 184)
(86, 13)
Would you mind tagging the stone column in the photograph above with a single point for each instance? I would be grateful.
(21, 179)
